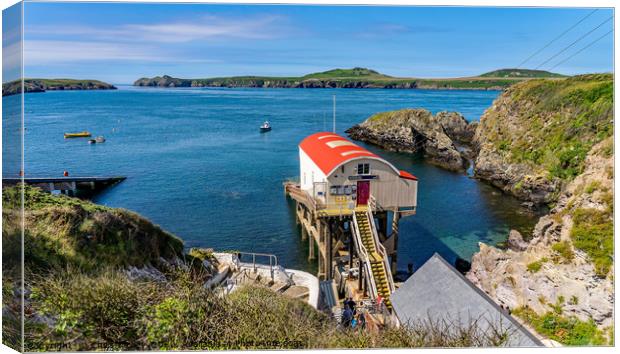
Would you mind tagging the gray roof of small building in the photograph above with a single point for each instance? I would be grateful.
(438, 292)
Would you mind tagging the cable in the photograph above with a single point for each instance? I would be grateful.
(572, 44)
(556, 38)
(581, 50)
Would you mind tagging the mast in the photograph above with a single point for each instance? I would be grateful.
(334, 113)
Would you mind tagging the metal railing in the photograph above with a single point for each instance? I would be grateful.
(381, 251)
(273, 261)
(363, 255)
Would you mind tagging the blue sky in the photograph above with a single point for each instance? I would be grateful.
(120, 42)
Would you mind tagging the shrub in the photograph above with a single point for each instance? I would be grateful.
(535, 266)
(564, 249)
(592, 233)
(566, 330)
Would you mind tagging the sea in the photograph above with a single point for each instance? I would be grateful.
(197, 165)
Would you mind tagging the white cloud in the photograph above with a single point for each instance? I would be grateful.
(37, 52)
(200, 28)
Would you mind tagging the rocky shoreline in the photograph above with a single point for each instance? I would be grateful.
(549, 270)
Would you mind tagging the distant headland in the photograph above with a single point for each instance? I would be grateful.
(357, 78)
(42, 85)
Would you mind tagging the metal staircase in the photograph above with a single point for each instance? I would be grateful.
(372, 254)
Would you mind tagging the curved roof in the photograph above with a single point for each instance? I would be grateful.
(330, 150)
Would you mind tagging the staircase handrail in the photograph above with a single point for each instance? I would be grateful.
(363, 255)
(381, 250)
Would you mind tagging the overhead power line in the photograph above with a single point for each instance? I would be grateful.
(581, 50)
(575, 42)
(556, 38)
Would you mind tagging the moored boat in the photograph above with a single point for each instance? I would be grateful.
(100, 139)
(77, 135)
(265, 127)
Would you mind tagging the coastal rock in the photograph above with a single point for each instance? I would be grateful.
(457, 127)
(515, 241)
(507, 276)
(528, 144)
(413, 131)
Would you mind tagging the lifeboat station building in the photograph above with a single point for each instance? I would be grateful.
(348, 203)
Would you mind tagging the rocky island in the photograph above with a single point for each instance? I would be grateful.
(355, 78)
(42, 85)
(419, 131)
(548, 143)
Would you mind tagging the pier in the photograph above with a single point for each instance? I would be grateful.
(349, 203)
(73, 186)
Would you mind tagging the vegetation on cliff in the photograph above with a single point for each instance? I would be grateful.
(541, 131)
(343, 78)
(79, 294)
(42, 85)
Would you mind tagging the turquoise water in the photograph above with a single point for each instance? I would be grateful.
(197, 165)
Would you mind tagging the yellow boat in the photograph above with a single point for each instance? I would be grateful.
(77, 135)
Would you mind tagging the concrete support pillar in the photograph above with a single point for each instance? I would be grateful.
(395, 222)
(304, 233)
(328, 249)
(360, 284)
(310, 248)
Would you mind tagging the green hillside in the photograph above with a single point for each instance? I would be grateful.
(521, 73)
(353, 78)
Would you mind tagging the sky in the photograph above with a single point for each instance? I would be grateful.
(121, 42)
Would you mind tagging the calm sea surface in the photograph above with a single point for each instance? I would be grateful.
(197, 165)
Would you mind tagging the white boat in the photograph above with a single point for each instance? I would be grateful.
(265, 127)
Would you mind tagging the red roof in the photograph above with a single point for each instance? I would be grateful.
(330, 150)
(407, 175)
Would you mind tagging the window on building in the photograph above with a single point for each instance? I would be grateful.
(363, 169)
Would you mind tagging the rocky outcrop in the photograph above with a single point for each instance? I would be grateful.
(42, 85)
(538, 274)
(534, 137)
(457, 127)
(415, 131)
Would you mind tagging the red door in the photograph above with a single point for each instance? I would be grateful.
(363, 192)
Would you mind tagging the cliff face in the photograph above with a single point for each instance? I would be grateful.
(536, 135)
(552, 142)
(417, 130)
(569, 259)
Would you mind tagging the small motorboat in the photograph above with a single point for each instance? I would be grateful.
(265, 127)
(98, 140)
(77, 135)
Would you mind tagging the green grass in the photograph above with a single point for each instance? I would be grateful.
(535, 266)
(567, 330)
(564, 250)
(556, 124)
(61, 231)
(592, 233)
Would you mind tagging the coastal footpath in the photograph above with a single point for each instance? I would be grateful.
(550, 144)
(356, 78)
(42, 85)
(99, 277)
